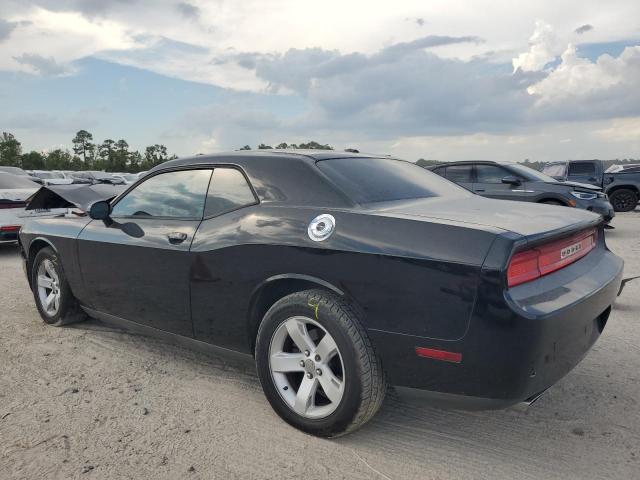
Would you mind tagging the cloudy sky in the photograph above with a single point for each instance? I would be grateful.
(447, 80)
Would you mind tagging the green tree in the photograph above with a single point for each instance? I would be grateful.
(59, 159)
(246, 147)
(282, 146)
(10, 150)
(121, 156)
(154, 155)
(135, 162)
(106, 153)
(33, 161)
(312, 145)
(83, 146)
(427, 163)
(262, 146)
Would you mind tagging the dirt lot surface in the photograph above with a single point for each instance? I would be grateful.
(90, 401)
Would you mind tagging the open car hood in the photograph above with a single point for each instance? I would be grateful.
(72, 196)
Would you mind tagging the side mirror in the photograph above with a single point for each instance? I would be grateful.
(100, 210)
(511, 180)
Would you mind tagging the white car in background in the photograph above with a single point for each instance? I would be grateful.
(52, 177)
(127, 178)
(15, 192)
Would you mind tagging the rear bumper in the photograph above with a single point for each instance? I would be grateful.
(519, 342)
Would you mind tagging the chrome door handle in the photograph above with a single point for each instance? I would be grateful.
(176, 237)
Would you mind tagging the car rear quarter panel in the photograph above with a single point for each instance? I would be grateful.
(408, 276)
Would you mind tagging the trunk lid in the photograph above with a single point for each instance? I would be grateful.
(523, 218)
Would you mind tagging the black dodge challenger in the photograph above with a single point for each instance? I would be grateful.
(340, 274)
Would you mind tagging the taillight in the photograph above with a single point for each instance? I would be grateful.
(9, 228)
(536, 262)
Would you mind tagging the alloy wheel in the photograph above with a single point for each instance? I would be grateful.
(307, 367)
(48, 287)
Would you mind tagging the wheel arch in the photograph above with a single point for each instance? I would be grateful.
(633, 188)
(35, 246)
(277, 287)
(548, 198)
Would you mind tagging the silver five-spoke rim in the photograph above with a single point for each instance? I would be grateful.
(48, 287)
(306, 367)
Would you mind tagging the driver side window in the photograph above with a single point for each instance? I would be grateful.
(491, 174)
(178, 194)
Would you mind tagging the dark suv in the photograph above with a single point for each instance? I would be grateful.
(513, 181)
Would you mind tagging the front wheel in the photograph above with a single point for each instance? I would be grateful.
(55, 302)
(623, 200)
(316, 364)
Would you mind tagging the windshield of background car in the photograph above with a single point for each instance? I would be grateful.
(370, 180)
(556, 170)
(8, 181)
(531, 174)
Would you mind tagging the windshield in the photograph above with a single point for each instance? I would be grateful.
(9, 182)
(531, 174)
(369, 180)
(44, 175)
(555, 169)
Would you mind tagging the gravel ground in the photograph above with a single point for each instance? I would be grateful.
(90, 401)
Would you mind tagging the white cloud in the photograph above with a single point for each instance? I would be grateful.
(579, 77)
(544, 48)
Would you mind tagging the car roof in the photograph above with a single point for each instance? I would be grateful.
(472, 162)
(283, 176)
(241, 156)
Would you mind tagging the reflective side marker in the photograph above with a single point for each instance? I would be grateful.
(443, 355)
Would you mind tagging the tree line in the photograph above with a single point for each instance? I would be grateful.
(109, 156)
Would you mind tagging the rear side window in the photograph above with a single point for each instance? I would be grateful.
(228, 191)
(460, 173)
(170, 195)
(370, 180)
(491, 174)
(582, 168)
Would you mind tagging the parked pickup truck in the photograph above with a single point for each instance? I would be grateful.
(623, 188)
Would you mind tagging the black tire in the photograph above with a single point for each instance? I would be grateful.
(69, 310)
(624, 200)
(364, 384)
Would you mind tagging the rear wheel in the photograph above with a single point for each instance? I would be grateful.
(623, 200)
(55, 302)
(316, 364)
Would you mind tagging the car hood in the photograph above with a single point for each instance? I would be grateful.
(526, 219)
(587, 186)
(71, 196)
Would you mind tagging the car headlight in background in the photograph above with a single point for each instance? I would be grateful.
(584, 195)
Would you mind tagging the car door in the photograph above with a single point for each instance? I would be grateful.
(583, 172)
(488, 183)
(460, 174)
(137, 265)
(222, 280)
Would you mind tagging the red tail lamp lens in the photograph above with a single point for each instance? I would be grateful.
(549, 257)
